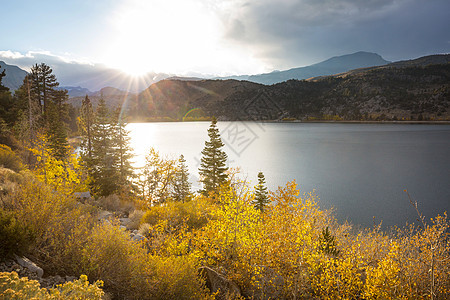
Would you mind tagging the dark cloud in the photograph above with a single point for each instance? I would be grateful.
(294, 32)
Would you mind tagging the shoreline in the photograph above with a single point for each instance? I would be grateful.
(312, 121)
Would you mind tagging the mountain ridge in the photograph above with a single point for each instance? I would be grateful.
(389, 92)
(14, 76)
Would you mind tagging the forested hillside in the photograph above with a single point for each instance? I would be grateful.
(399, 91)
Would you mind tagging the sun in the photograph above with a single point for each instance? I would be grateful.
(161, 35)
(174, 37)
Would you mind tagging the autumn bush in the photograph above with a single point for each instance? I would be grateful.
(69, 241)
(8, 159)
(292, 249)
(295, 250)
(194, 214)
(13, 287)
(15, 237)
(57, 222)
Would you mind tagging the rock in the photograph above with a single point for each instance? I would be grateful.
(217, 283)
(70, 278)
(138, 237)
(83, 196)
(104, 215)
(125, 221)
(28, 264)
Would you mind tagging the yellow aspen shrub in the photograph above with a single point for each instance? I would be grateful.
(231, 238)
(383, 280)
(292, 227)
(424, 260)
(63, 176)
(340, 277)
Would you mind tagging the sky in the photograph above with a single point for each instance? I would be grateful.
(218, 37)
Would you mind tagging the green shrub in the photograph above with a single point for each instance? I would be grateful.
(15, 237)
(8, 159)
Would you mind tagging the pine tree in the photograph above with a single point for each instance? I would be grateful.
(261, 195)
(212, 168)
(43, 85)
(181, 186)
(57, 115)
(6, 102)
(85, 122)
(57, 135)
(121, 144)
(103, 161)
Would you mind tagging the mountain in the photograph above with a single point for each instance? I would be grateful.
(175, 98)
(75, 91)
(410, 91)
(113, 97)
(14, 76)
(334, 65)
(84, 75)
(96, 77)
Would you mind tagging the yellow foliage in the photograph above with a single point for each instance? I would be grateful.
(64, 176)
(13, 287)
(280, 253)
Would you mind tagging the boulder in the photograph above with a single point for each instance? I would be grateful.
(226, 289)
(104, 215)
(31, 266)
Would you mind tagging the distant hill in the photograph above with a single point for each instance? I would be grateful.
(76, 91)
(334, 65)
(113, 97)
(80, 79)
(413, 90)
(96, 77)
(174, 98)
(14, 76)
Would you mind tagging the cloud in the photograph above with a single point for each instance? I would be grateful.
(291, 32)
(11, 55)
(70, 72)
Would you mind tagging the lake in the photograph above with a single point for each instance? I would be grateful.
(360, 170)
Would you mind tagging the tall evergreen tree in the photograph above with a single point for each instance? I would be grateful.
(43, 85)
(181, 187)
(121, 143)
(6, 102)
(85, 122)
(7, 115)
(106, 150)
(57, 135)
(261, 195)
(29, 113)
(103, 161)
(57, 116)
(213, 162)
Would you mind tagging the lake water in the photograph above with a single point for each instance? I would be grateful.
(359, 169)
